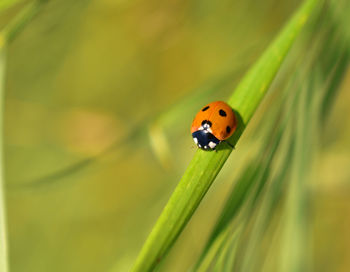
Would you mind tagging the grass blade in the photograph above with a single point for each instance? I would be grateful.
(320, 75)
(3, 236)
(206, 165)
(6, 36)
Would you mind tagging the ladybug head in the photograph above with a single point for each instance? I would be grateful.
(206, 125)
(205, 140)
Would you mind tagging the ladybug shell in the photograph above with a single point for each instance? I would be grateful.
(221, 118)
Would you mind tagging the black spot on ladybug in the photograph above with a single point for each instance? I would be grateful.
(222, 113)
(228, 129)
(206, 122)
(205, 108)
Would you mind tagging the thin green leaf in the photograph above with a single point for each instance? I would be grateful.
(3, 236)
(206, 165)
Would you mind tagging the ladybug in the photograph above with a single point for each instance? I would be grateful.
(214, 123)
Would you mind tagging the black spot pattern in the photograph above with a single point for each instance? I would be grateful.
(205, 108)
(222, 113)
(228, 129)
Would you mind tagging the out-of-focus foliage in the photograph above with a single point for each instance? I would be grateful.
(205, 166)
(3, 224)
(85, 82)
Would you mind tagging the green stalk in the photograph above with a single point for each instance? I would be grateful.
(3, 232)
(6, 36)
(205, 166)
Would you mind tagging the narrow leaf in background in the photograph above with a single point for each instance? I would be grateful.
(277, 234)
(206, 165)
(3, 227)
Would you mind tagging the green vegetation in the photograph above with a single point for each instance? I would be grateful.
(3, 232)
(205, 166)
(98, 99)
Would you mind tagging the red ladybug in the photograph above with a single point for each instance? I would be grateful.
(214, 123)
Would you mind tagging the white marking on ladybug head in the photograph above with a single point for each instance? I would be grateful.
(199, 145)
(195, 140)
(209, 129)
(205, 147)
(206, 126)
(212, 145)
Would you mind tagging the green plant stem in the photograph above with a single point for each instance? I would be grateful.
(205, 166)
(6, 36)
(3, 232)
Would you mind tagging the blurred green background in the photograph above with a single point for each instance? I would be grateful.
(99, 99)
